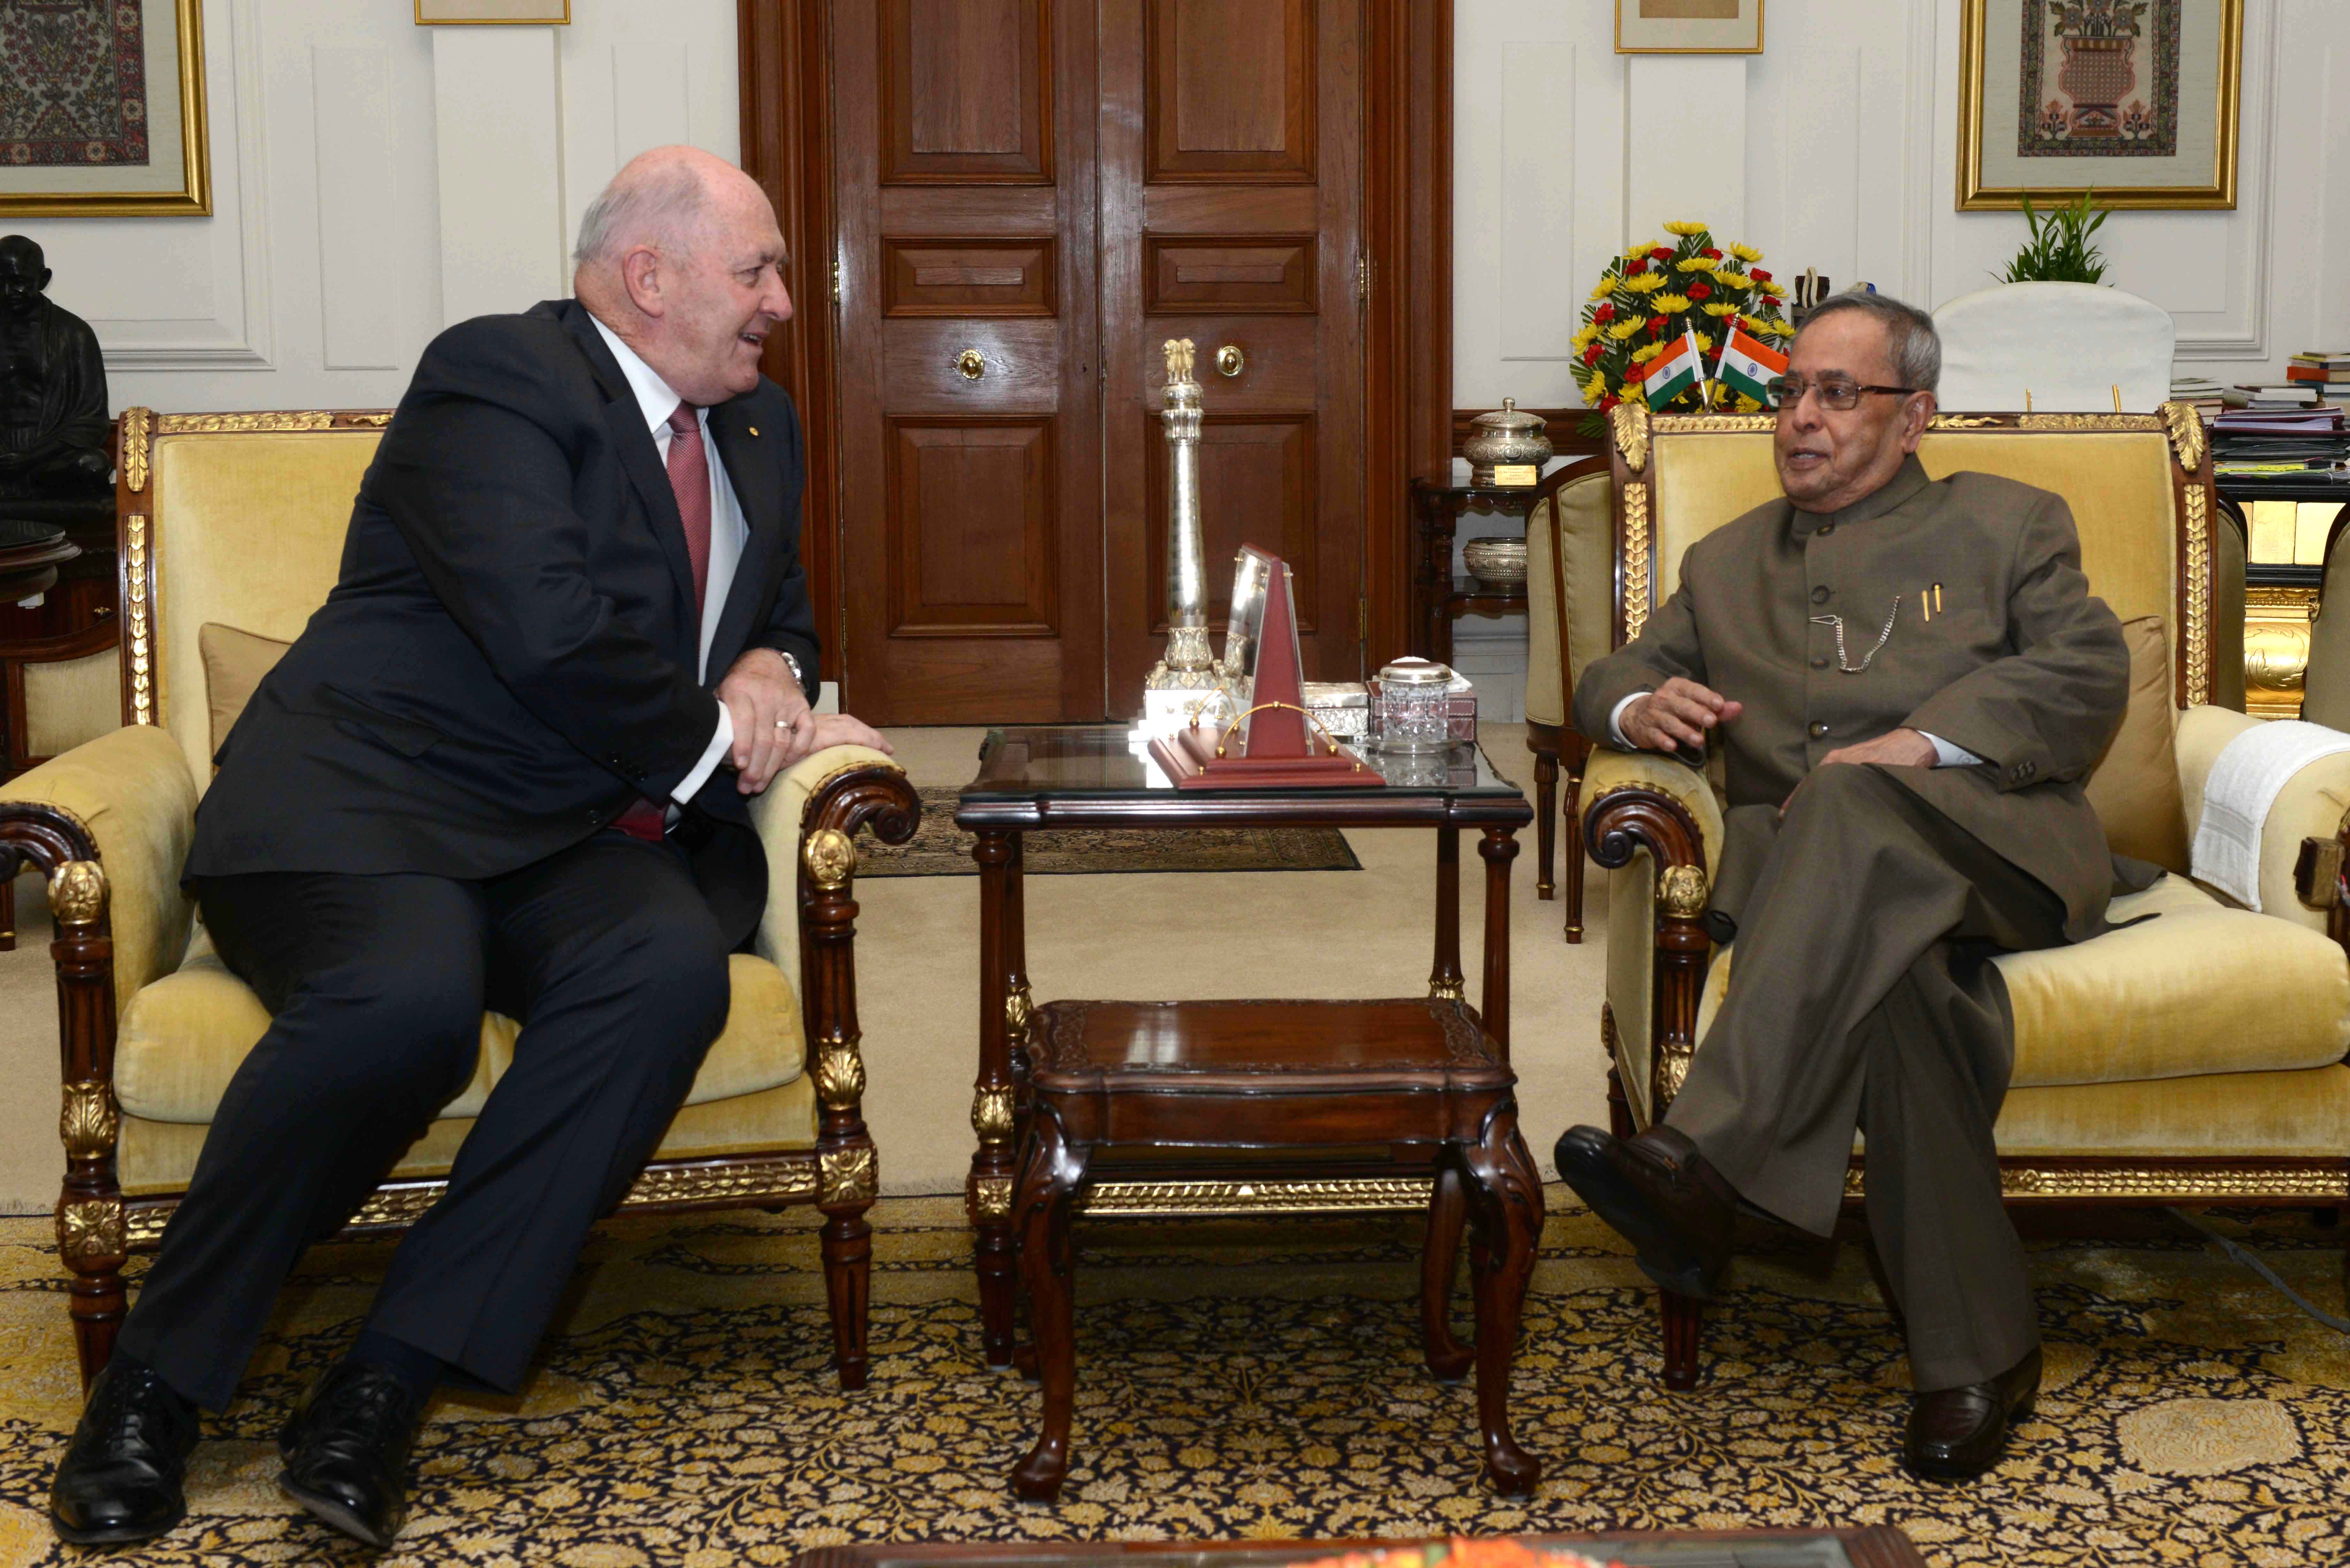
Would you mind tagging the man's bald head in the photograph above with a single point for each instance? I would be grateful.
(681, 257)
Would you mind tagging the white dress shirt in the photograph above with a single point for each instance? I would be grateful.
(727, 531)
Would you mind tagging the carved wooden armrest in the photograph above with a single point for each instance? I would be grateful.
(1644, 801)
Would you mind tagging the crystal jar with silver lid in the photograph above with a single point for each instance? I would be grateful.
(1410, 705)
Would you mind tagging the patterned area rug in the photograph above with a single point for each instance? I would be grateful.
(939, 848)
(1243, 1380)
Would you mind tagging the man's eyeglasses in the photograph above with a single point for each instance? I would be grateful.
(1835, 391)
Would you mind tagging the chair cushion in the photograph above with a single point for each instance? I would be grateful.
(2216, 1116)
(234, 662)
(2135, 785)
(1580, 526)
(2203, 988)
(183, 1037)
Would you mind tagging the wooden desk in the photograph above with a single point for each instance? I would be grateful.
(1042, 778)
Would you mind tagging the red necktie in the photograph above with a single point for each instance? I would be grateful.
(688, 478)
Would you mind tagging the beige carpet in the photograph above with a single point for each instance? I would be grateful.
(1166, 937)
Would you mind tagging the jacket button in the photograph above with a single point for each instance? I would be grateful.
(1819, 595)
(1819, 664)
(1825, 529)
(1818, 729)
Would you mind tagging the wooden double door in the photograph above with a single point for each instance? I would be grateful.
(1031, 196)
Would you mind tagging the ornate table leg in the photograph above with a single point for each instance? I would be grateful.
(1444, 977)
(1498, 847)
(1048, 1186)
(1448, 1210)
(1505, 1218)
(988, 1192)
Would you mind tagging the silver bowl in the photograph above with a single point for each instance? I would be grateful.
(1496, 561)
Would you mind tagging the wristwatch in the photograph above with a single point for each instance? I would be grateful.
(795, 663)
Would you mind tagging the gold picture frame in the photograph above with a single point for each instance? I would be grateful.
(1690, 27)
(1987, 175)
(177, 135)
(493, 13)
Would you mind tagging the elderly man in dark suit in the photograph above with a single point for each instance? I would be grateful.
(1909, 680)
(505, 765)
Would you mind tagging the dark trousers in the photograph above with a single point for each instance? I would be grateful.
(376, 985)
(1861, 996)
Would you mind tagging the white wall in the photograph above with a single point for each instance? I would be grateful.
(374, 180)
(1837, 148)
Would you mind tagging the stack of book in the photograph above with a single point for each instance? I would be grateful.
(2274, 395)
(2290, 445)
(2327, 373)
(2203, 394)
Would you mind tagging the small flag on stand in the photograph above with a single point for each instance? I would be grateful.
(1747, 366)
(1672, 372)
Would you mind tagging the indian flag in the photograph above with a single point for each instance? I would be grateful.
(1748, 366)
(1673, 372)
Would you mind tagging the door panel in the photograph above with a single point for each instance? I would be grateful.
(964, 172)
(1231, 214)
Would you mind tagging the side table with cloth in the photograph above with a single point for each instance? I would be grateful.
(2196, 1058)
(237, 521)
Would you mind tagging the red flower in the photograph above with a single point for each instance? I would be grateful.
(1591, 355)
(1634, 267)
(1608, 402)
(1760, 274)
(1656, 324)
(1700, 290)
(1604, 315)
(1710, 254)
(1662, 252)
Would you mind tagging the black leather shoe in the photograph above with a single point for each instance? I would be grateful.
(1661, 1196)
(120, 1480)
(346, 1451)
(1959, 1433)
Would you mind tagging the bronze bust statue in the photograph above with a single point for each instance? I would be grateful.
(54, 428)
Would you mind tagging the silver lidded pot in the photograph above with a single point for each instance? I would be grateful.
(1508, 437)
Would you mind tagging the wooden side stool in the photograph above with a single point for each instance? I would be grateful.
(1255, 1090)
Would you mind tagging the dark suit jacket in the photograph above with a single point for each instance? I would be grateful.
(508, 659)
(2011, 659)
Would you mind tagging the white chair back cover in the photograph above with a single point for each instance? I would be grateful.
(2069, 345)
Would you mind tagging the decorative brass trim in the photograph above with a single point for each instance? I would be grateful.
(840, 1076)
(991, 1114)
(142, 686)
(2276, 649)
(1110, 1200)
(1962, 421)
(846, 1174)
(77, 892)
(2199, 595)
(1019, 1017)
(1630, 424)
(89, 1122)
(1713, 424)
(1673, 1060)
(1681, 892)
(281, 422)
(830, 858)
(2186, 428)
(1636, 557)
(2169, 1183)
(379, 420)
(134, 448)
(2108, 422)
(991, 1197)
(1447, 990)
(92, 1228)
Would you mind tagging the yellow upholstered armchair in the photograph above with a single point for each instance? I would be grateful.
(2197, 1058)
(1570, 605)
(237, 520)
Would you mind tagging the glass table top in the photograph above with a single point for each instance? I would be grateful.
(1112, 762)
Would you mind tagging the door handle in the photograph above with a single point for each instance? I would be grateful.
(971, 363)
(1230, 360)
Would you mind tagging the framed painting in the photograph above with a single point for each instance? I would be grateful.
(1689, 26)
(102, 110)
(2136, 100)
(538, 12)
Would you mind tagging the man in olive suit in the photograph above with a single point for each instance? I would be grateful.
(1909, 680)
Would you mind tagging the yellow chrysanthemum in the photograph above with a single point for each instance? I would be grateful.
(1587, 338)
(1772, 286)
(1642, 356)
(1622, 330)
(1684, 229)
(1746, 253)
(1720, 308)
(1747, 405)
(1669, 303)
(1605, 286)
(1753, 323)
(1705, 343)
(1647, 283)
(1636, 251)
(1694, 264)
(1783, 329)
(1736, 281)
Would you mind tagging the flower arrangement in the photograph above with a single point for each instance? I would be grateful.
(1655, 297)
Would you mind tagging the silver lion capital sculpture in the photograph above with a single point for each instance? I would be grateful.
(1187, 677)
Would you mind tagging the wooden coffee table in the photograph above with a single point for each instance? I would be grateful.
(1245, 1107)
(1868, 1546)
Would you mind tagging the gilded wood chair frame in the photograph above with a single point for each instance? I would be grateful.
(1623, 821)
(97, 1226)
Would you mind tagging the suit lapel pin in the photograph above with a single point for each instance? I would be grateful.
(755, 430)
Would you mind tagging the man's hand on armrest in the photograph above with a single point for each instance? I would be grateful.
(1896, 748)
(1675, 717)
(774, 727)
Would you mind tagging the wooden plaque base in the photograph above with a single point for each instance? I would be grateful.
(1189, 758)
